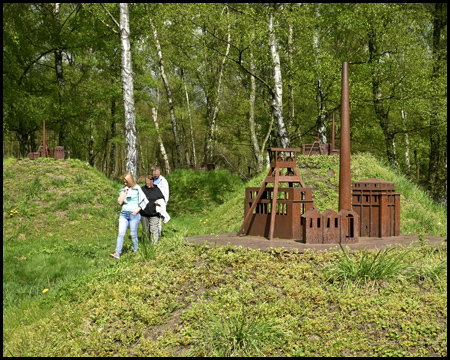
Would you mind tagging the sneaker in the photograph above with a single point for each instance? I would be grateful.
(115, 255)
(166, 219)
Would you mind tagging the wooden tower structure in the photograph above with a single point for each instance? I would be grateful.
(276, 211)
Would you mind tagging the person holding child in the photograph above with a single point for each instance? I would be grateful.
(134, 200)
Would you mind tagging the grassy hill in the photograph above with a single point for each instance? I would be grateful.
(63, 295)
(418, 212)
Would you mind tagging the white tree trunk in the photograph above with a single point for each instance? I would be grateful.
(212, 121)
(407, 156)
(322, 118)
(161, 144)
(194, 156)
(251, 119)
(277, 94)
(291, 66)
(132, 157)
(178, 145)
(258, 151)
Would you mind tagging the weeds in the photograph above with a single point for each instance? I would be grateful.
(147, 249)
(239, 335)
(386, 263)
(429, 270)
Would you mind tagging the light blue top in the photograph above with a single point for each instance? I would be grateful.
(134, 193)
(132, 201)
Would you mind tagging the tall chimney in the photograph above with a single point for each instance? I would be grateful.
(345, 186)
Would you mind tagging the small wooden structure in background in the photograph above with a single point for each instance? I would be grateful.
(45, 151)
(317, 148)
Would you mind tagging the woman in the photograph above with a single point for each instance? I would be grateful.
(150, 216)
(133, 200)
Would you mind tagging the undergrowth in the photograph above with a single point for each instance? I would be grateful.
(64, 296)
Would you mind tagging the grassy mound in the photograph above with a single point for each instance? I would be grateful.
(418, 212)
(60, 218)
(63, 295)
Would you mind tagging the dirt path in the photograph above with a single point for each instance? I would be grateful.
(258, 242)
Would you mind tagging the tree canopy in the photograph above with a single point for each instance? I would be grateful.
(228, 80)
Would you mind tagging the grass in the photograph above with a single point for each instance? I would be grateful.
(64, 296)
(239, 335)
(367, 266)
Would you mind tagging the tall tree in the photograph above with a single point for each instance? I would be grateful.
(128, 93)
(178, 143)
(437, 178)
(277, 93)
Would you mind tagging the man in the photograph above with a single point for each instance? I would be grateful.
(161, 182)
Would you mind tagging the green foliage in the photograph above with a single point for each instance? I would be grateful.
(367, 266)
(241, 334)
(196, 193)
(147, 250)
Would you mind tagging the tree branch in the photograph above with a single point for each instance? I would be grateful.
(104, 23)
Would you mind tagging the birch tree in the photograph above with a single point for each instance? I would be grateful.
(191, 129)
(178, 143)
(258, 152)
(161, 144)
(322, 116)
(214, 102)
(132, 157)
(277, 94)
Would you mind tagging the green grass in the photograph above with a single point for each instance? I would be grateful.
(240, 334)
(64, 296)
(367, 266)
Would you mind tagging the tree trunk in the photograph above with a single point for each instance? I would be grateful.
(407, 156)
(251, 119)
(437, 178)
(91, 144)
(381, 113)
(258, 152)
(161, 144)
(112, 153)
(290, 82)
(277, 94)
(416, 161)
(194, 156)
(216, 103)
(184, 137)
(386, 125)
(322, 116)
(60, 79)
(178, 144)
(132, 157)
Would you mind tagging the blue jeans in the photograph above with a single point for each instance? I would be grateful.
(127, 218)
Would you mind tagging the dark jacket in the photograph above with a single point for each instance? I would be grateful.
(152, 194)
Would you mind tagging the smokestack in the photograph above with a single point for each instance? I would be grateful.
(345, 186)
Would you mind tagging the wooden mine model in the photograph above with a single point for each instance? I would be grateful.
(290, 213)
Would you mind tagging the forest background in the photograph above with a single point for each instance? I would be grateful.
(126, 86)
